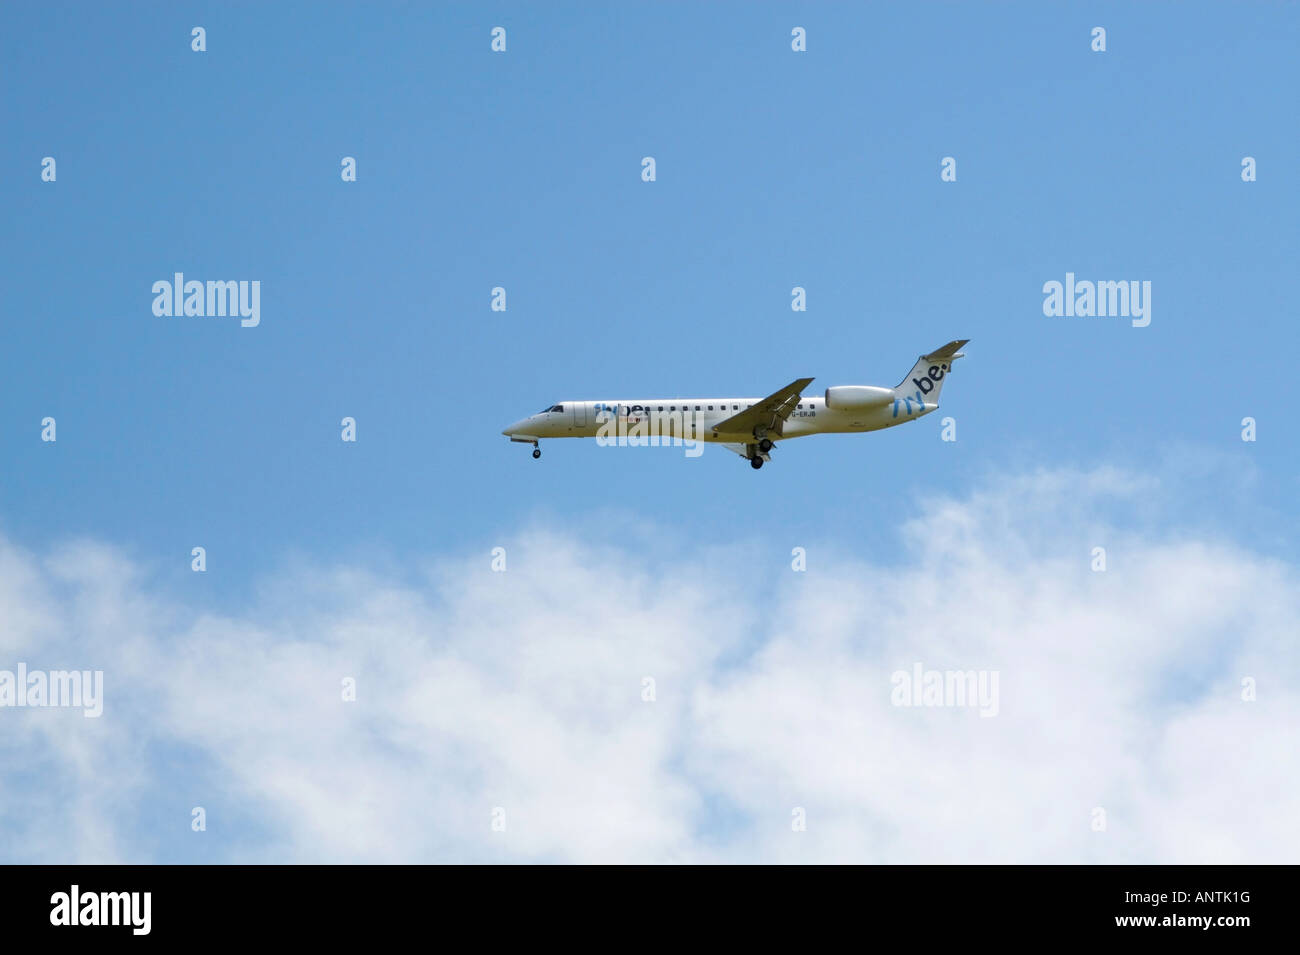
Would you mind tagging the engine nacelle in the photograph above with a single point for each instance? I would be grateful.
(857, 397)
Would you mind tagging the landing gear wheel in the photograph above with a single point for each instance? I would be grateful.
(765, 445)
(537, 452)
(756, 462)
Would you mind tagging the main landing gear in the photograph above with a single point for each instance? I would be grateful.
(757, 452)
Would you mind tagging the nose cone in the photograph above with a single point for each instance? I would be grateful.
(515, 428)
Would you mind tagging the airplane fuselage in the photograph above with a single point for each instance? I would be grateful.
(748, 426)
(585, 419)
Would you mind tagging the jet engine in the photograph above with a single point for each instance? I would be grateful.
(857, 397)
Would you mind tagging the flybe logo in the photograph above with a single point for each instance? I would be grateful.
(924, 385)
(933, 373)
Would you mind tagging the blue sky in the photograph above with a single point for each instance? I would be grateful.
(775, 169)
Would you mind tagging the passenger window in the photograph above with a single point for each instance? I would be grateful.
(710, 407)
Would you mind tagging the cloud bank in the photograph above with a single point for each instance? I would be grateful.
(520, 698)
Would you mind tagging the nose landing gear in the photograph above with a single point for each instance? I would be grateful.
(537, 453)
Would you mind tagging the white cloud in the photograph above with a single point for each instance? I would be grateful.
(523, 690)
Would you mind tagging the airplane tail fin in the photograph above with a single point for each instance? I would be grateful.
(925, 380)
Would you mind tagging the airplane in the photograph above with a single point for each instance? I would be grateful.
(750, 426)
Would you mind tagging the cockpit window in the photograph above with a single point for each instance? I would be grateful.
(552, 408)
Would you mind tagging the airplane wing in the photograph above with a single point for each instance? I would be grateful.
(770, 413)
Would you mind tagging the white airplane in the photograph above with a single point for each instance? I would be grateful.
(749, 426)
